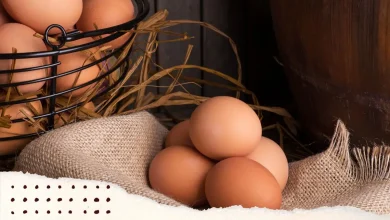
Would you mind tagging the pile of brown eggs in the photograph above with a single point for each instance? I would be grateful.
(19, 22)
(219, 158)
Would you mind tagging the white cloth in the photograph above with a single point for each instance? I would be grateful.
(18, 193)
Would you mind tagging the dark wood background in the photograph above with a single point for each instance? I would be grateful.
(250, 26)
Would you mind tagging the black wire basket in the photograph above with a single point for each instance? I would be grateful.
(111, 33)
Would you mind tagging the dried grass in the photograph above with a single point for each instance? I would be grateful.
(126, 99)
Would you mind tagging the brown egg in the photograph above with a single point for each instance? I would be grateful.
(73, 61)
(179, 172)
(271, 156)
(179, 135)
(66, 117)
(19, 128)
(91, 52)
(223, 127)
(19, 36)
(106, 14)
(241, 181)
(39, 14)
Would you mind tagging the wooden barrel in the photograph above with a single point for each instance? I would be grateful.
(336, 54)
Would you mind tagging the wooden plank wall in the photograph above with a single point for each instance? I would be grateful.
(249, 25)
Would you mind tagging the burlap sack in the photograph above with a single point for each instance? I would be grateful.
(116, 149)
(340, 176)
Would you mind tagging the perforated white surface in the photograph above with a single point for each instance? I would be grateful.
(35, 197)
(25, 196)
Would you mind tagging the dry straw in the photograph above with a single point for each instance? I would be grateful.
(125, 98)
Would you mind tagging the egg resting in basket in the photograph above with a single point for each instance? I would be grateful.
(62, 75)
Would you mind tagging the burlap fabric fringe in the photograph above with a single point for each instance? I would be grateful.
(119, 149)
(340, 176)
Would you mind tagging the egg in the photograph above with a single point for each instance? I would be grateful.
(73, 61)
(19, 36)
(18, 128)
(91, 52)
(179, 135)
(271, 156)
(4, 17)
(106, 14)
(179, 172)
(39, 14)
(239, 181)
(66, 117)
(223, 127)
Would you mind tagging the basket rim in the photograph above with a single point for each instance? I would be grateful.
(142, 7)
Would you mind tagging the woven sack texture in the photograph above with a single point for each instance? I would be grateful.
(341, 176)
(119, 149)
(116, 149)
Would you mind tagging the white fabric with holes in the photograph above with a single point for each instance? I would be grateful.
(26, 196)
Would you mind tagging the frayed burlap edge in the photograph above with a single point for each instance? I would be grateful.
(365, 164)
(341, 176)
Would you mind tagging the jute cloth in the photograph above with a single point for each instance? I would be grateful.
(341, 176)
(119, 149)
(116, 149)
